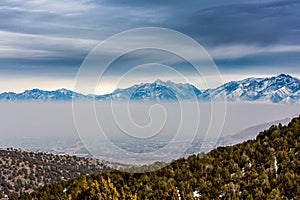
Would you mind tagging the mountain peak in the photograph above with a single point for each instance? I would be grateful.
(159, 81)
(63, 90)
(284, 76)
(33, 90)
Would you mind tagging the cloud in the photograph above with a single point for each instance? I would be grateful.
(260, 23)
(83, 18)
(34, 46)
(239, 51)
(65, 7)
(55, 36)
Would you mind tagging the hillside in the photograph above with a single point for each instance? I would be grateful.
(24, 171)
(265, 168)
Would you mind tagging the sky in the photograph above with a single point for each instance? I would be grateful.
(43, 43)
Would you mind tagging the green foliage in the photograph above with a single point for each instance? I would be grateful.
(265, 168)
(24, 171)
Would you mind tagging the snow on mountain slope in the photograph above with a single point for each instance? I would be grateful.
(156, 91)
(41, 95)
(282, 88)
(277, 89)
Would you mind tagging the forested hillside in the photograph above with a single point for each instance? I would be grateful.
(265, 168)
(24, 171)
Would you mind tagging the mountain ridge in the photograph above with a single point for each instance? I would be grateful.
(282, 88)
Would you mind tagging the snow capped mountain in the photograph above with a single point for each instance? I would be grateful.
(282, 88)
(41, 95)
(156, 91)
(277, 89)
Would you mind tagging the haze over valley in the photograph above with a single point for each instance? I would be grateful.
(50, 126)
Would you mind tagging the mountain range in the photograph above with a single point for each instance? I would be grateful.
(282, 88)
